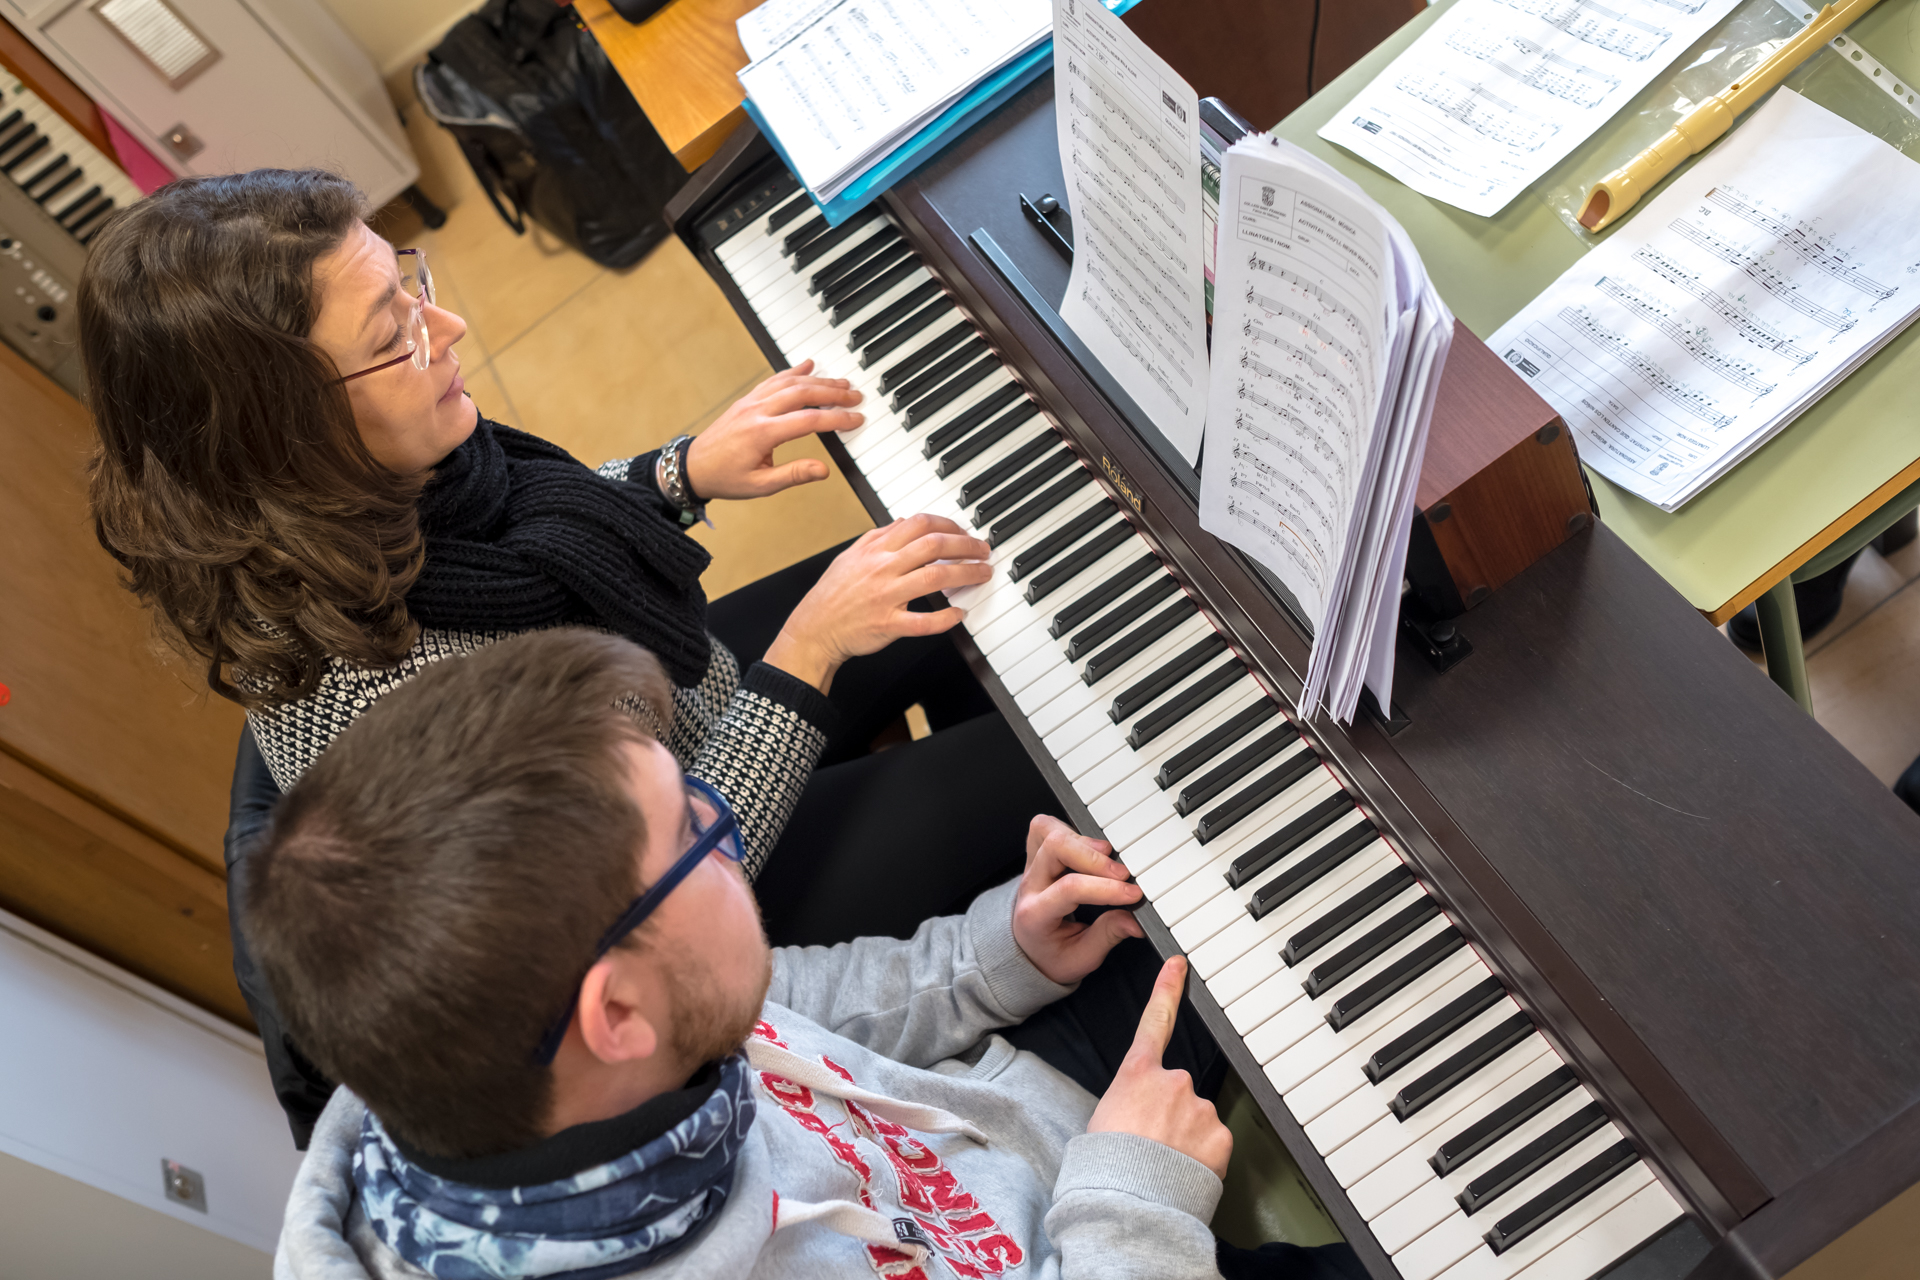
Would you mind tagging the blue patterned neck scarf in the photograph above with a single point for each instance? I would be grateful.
(609, 1220)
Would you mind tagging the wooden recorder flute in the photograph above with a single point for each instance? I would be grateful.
(1616, 193)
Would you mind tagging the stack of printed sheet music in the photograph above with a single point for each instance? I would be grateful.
(840, 85)
(1328, 344)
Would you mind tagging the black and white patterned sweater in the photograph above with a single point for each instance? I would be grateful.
(755, 740)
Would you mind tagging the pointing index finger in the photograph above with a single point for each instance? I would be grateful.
(1156, 1021)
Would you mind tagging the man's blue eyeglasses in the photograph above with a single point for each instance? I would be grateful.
(721, 831)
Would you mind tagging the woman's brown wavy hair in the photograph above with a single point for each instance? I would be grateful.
(230, 480)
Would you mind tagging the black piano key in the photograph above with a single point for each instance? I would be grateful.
(85, 198)
(32, 149)
(1432, 1029)
(862, 275)
(923, 355)
(1468, 1143)
(1115, 620)
(923, 409)
(847, 263)
(812, 227)
(822, 243)
(1367, 996)
(897, 313)
(1044, 445)
(1077, 561)
(67, 179)
(904, 332)
(1223, 816)
(45, 171)
(936, 373)
(1178, 668)
(12, 118)
(1056, 543)
(1435, 1083)
(953, 433)
(1283, 842)
(786, 213)
(1024, 485)
(865, 296)
(1103, 594)
(90, 215)
(18, 136)
(1195, 754)
(1108, 660)
(1233, 768)
(1561, 1196)
(1370, 946)
(1049, 498)
(1288, 884)
(1532, 1158)
(1346, 914)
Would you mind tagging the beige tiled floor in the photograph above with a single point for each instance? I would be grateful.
(610, 363)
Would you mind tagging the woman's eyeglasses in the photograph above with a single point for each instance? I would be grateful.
(417, 283)
(714, 827)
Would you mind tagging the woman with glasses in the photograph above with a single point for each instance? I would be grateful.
(295, 480)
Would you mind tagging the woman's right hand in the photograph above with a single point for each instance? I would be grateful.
(859, 605)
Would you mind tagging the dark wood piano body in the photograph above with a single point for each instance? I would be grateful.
(1710, 907)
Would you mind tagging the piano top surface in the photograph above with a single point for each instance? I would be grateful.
(1731, 880)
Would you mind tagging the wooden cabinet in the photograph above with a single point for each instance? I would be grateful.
(114, 758)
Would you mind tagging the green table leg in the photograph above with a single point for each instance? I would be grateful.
(1780, 641)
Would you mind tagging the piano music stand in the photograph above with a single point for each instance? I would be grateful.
(1834, 468)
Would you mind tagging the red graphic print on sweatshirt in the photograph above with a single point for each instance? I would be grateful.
(961, 1232)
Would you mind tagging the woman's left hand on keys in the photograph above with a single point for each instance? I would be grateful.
(733, 458)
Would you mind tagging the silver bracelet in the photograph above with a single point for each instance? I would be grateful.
(673, 478)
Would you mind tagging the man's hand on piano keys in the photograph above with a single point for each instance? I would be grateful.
(733, 458)
(1066, 871)
(1150, 1101)
(860, 604)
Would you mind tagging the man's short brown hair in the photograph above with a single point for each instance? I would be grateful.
(437, 882)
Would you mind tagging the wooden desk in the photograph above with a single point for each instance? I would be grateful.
(681, 66)
(1834, 466)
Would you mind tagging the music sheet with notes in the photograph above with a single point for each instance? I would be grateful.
(1328, 344)
(1130, 146)
(1497, 92)
(1729, 303)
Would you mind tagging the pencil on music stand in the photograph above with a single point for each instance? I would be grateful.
(1616, 193)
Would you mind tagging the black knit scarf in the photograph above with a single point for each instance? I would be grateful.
(520, 535)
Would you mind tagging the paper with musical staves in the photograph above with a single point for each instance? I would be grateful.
(1328, 343)
(1729, 303)
(1497, 92)
(1129, 130)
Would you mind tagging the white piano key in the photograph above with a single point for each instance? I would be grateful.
(1295, 1068)
(1145, 851)
(1589, 1249)
(1218, 854)
(1242, 933)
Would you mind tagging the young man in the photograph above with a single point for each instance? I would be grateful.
(497, 912)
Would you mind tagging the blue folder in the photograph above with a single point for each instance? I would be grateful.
(981, 101)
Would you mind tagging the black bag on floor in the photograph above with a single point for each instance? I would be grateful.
(550, 129)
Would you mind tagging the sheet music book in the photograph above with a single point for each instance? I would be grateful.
(1130, 147)
(1761, 277)
(1328, 344)
(764, 29)
(846, 87)
(1497, 92)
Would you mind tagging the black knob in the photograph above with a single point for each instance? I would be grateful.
(47, 315)
(1442, 633)
(1047, 205)
(6, 242)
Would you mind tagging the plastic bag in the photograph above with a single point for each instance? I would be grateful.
(1741, 42)
(550, 129)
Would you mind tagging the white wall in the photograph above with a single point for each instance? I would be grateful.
(398, 34)
(103, 1076)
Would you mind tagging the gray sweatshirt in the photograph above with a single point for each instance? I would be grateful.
(890, 1121)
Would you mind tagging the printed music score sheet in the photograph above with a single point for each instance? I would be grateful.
(864, 75)
(766, 28)
(1497, 92)
(1729, 303)
(1328, 343)
(1130, 145)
